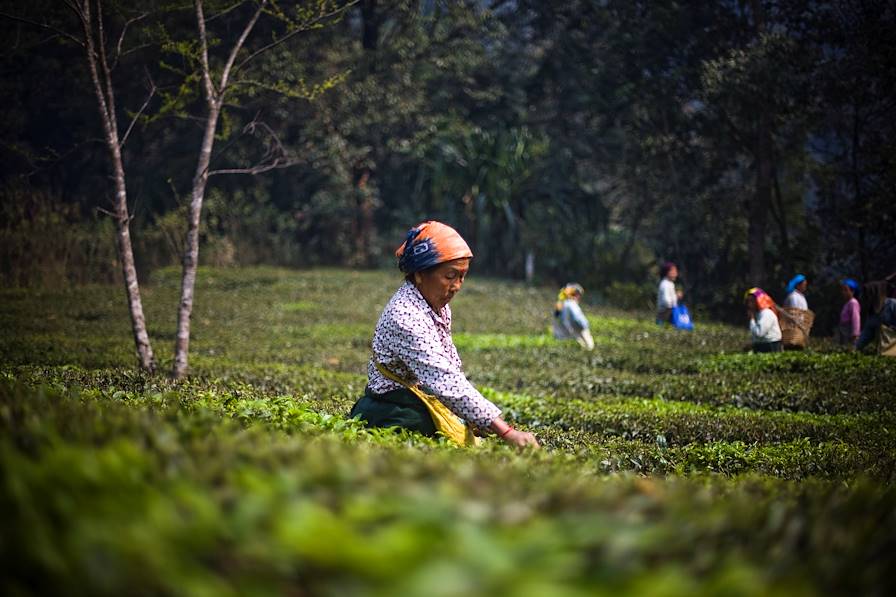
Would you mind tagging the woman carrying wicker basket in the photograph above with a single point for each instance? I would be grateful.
(795, 317)
(763, 315)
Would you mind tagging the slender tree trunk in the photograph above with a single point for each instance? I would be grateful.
(129, 271)
(530, 266)
(191, 251)
(215, 101)
(102, 84)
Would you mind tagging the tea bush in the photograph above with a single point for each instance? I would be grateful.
(672, 464)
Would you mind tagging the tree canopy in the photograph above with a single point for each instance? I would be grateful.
(743, 140)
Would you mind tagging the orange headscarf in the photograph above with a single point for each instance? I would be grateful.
(763, 300)
(430, 243)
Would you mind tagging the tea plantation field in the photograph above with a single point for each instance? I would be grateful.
(673, 463)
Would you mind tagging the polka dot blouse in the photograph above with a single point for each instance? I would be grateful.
(414, 342)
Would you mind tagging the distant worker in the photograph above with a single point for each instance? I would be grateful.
(414, 378)
(764, 327)
(850, 323)
(569, 321)
(794, 316)
(796, 293)
(881, 320)
(667, 297)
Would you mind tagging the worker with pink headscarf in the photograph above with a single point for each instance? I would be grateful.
(764, 327)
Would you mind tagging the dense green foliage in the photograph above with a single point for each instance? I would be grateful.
(743, 140)
(674, 463)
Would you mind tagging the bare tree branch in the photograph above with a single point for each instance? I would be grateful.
(40, 163)
(152, 92)
(59, 32)
(226, 11)
(76, 8)
(136, 48)
(91, 58)
(274, 158)
(210, 91)
(230, 144)
(225, 74)
(104, 62)
(124, 29)
(292, 34)
(259, 168)
(132, 211)
(129, 217)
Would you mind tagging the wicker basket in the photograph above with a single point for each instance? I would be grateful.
(795, 326)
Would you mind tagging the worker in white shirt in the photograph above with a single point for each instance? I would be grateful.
(667, 297)
(763, 315)
(796, 293)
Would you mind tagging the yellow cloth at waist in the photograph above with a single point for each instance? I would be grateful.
(446, 422)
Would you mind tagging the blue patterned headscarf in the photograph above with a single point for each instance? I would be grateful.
(794, 282)
(430, 243)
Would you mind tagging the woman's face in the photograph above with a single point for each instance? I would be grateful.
(802, 286)
(846, 291)
(439, 284)
(673, 273)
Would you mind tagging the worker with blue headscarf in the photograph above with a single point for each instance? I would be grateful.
(850, 322)
(796, 293)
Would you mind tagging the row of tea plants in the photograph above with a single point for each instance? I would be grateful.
(672, 463)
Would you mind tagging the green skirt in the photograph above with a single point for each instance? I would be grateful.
(398, 408)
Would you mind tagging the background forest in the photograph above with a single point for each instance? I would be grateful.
(265, 157)
(744, 140)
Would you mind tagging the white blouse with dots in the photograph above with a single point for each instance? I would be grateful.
(414, 342)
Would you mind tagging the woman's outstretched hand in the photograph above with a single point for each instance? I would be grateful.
(514, 437)
(521, 439)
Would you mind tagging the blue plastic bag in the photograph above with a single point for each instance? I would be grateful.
(681, 319)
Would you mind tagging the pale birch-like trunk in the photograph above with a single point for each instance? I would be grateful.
(214, 101)
(102, 83)
(191, 250)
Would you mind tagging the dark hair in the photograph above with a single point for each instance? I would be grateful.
(410, 276)
(664, 268)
